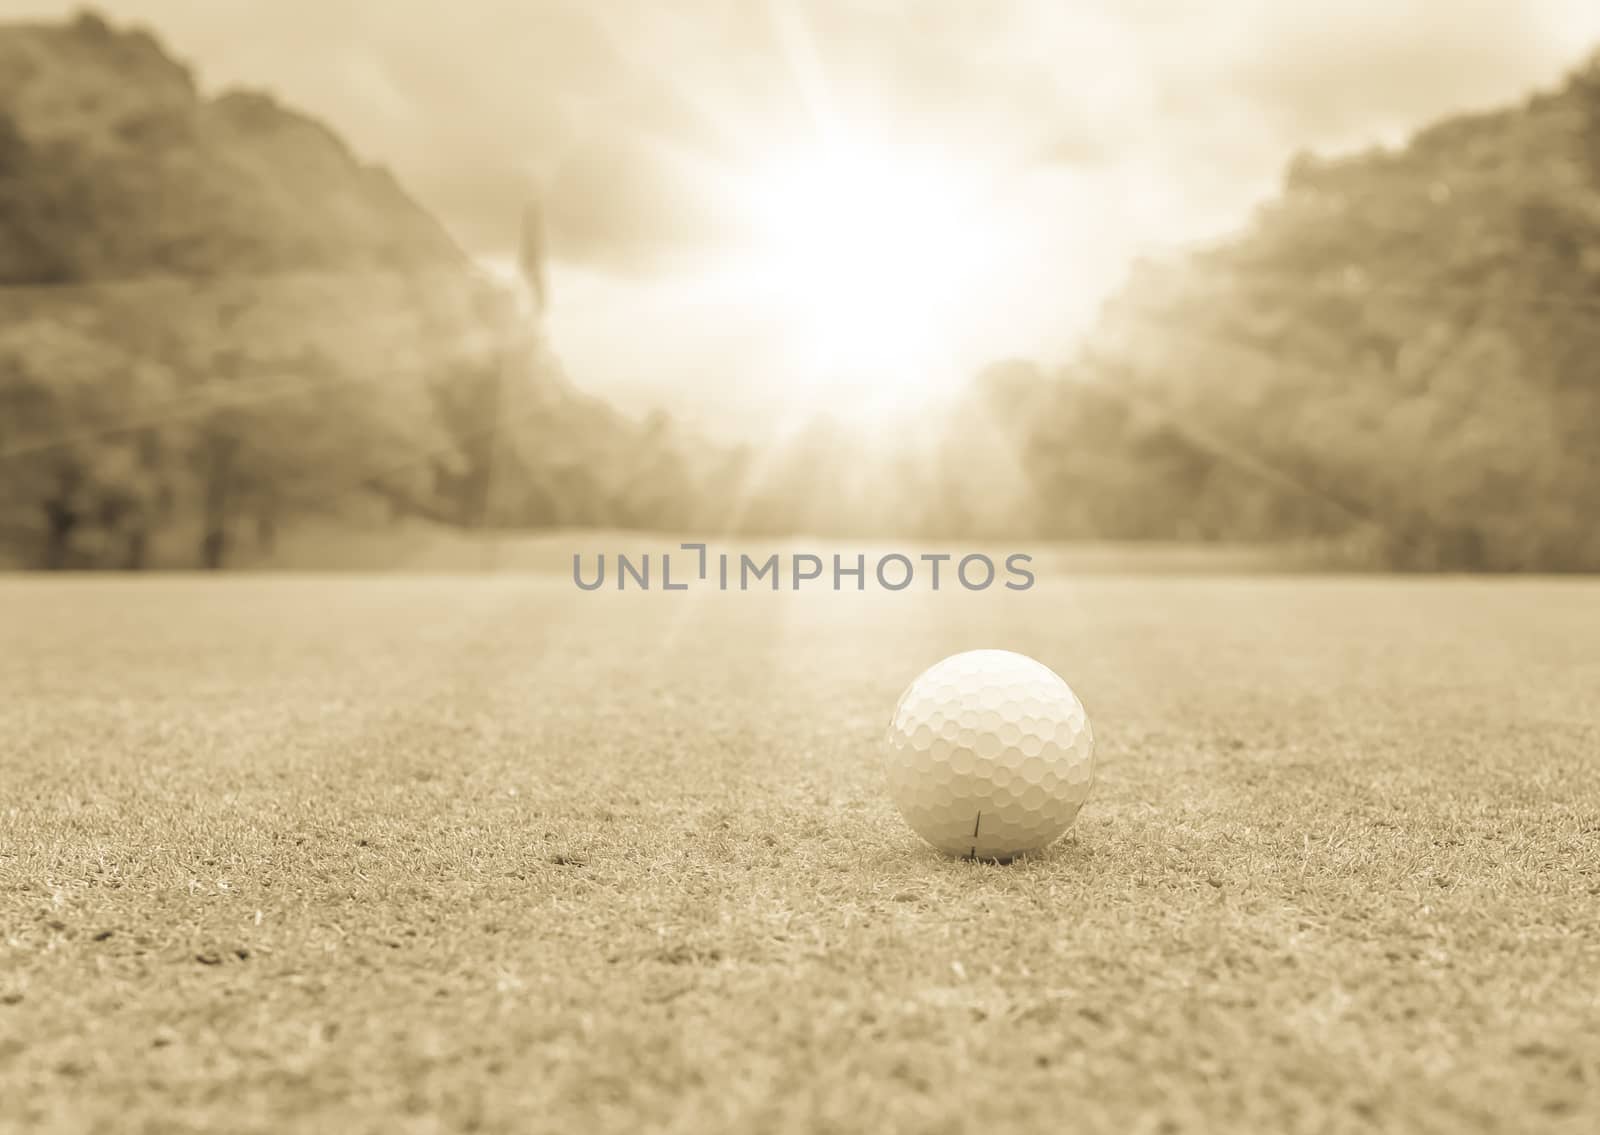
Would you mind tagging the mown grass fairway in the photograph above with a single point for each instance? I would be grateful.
(439, 853)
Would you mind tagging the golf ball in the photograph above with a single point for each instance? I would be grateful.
(989, 755)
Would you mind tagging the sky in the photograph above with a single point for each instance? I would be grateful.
(753, 201)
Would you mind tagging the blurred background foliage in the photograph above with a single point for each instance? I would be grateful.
(216, 325)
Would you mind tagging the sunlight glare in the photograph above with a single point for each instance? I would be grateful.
(870, 260)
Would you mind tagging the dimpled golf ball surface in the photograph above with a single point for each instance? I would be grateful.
(990, 755)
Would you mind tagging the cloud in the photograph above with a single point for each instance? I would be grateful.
(1378, 68)
(618, 206)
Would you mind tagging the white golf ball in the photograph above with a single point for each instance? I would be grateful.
(989, 755)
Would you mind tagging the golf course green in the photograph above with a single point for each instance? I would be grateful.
(414, 853)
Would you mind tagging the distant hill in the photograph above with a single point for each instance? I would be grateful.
(215, 319)
(112, 165)
(1404, 345)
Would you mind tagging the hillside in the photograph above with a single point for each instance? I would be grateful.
(1408, 340)
(112, 165)
(215, 319)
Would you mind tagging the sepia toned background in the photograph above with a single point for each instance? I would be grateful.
(289, 284)
(333, 334)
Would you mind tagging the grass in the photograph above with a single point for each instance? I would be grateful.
(450, 853)
(367, 544)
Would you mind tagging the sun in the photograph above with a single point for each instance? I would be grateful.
(870, 260)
